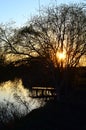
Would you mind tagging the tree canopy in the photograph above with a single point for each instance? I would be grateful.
(52, 41)
(57, 30)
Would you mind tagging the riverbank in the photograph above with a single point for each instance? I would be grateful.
(54, 116)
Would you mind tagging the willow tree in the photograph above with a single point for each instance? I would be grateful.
(58, 34)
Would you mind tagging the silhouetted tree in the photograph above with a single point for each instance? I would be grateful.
(57, 30)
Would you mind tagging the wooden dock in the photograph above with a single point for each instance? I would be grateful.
(45, 93)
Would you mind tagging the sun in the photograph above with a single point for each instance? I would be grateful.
(61, 55)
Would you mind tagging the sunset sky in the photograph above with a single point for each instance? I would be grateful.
(21, 10)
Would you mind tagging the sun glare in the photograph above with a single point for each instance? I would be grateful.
(61, 55)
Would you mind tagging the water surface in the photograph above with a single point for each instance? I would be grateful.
(15, 100)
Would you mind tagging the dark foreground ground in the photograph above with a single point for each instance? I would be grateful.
(53, 116)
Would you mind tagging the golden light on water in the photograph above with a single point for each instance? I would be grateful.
(9, 89)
